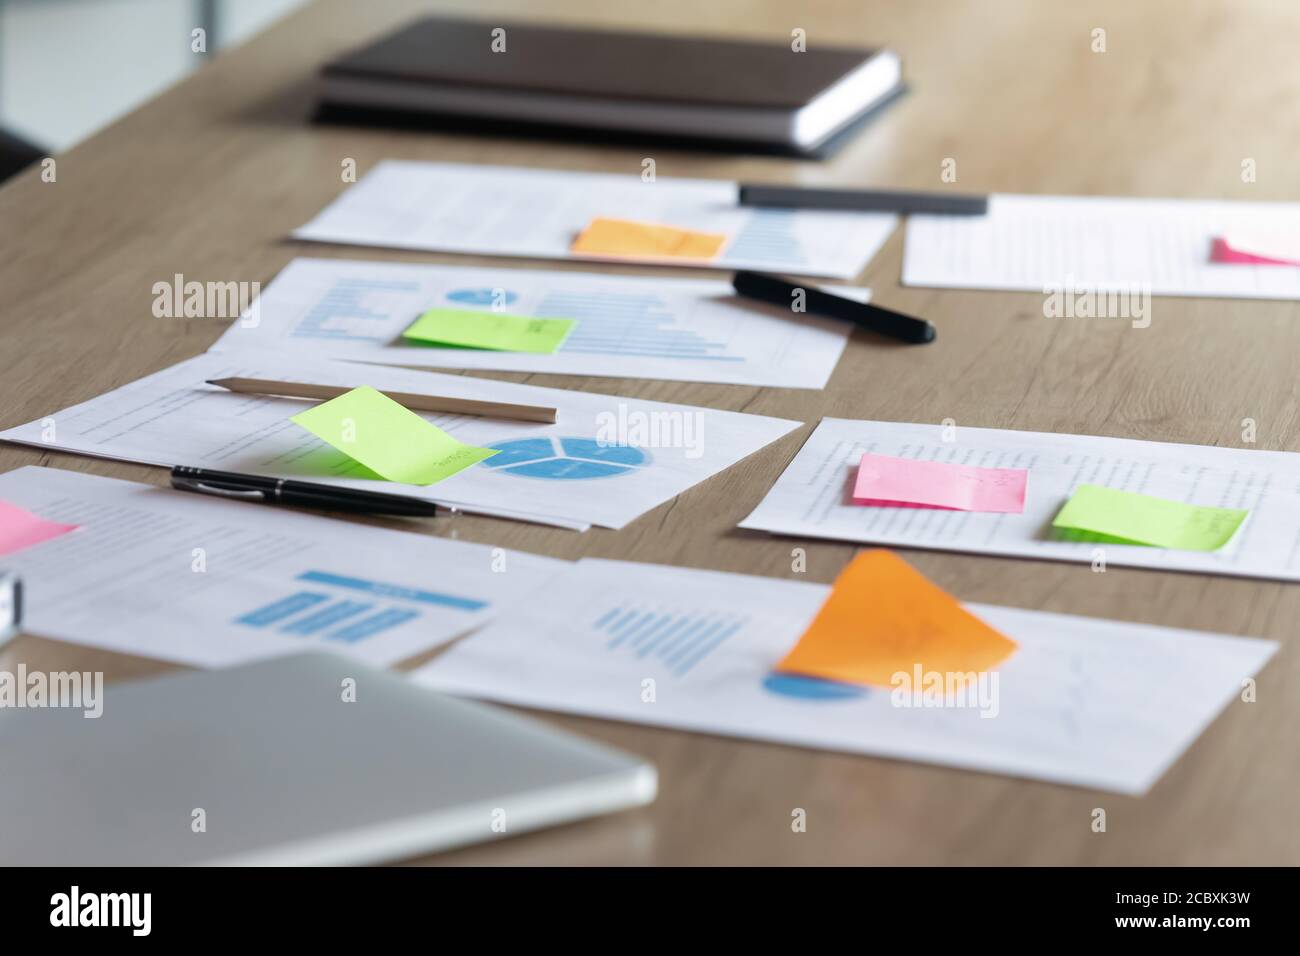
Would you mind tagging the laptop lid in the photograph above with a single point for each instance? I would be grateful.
(306, 759)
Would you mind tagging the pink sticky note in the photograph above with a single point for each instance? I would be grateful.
(934, 484)
(1235, 252)
(21, 529)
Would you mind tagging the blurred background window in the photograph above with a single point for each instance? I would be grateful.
(71, 67)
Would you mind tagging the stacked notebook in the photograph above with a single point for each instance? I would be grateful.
(500, 77)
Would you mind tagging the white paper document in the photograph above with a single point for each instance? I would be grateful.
(1093, 703)
(688, 330)
(1084, 244)
(605, 462)
(537, 213)
(197, 580)
(813, 497)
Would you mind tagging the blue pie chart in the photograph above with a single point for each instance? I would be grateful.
(565, 459)
(810, 688)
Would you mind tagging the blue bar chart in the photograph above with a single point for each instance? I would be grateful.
(348, 609)
(676, 639)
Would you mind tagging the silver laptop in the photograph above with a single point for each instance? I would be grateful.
(308, 759)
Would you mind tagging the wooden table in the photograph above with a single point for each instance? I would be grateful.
(208, 180)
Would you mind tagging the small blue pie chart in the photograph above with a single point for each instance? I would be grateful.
(564, 459)
(811, 688)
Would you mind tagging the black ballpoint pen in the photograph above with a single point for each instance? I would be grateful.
(302, 494)
(778, 291)
(860, 200)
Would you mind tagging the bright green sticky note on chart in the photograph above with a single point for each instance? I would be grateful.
(1097, 513)
(388, 438)
(474, 329)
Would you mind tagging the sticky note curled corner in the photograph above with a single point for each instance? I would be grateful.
(499, 331)
(21, 529)
(883, 480)
(388, 438)
(883, 618)
(623, 238)
(1098, 513)
(1283, 250)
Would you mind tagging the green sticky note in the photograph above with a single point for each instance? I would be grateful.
(1096, 513)
(474, 329)
(388, 438)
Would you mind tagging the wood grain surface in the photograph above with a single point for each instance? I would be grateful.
(208, 179)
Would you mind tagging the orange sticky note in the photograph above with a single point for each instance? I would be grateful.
(624, 238)
(884, 617)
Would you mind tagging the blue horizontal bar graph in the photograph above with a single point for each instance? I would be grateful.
(356, 609)
(677, 640)
(342, 314)
(364, 628)
(279, 610)
(379, 589)
(326, 617)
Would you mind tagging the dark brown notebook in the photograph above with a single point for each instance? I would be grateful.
(663, 85)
